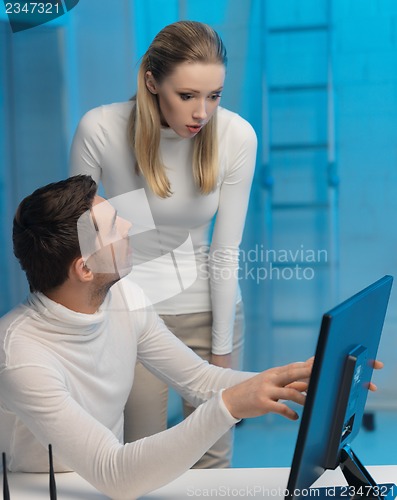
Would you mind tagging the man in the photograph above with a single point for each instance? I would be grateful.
(67, 355)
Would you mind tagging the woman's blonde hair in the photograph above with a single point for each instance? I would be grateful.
(183, 41)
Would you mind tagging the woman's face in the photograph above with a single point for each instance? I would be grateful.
(189, 96)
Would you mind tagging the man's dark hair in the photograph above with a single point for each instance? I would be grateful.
(45, 234)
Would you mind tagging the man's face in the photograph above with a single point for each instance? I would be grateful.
(111, 251)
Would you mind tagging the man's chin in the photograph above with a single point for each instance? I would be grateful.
(102, 280)
(109, 279)
(124, 272)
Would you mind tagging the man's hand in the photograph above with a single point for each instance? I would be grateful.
(261, 393)
(224, 361)
(376, 365)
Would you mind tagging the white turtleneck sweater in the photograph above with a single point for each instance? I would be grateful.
(64, 380)
(100, 148)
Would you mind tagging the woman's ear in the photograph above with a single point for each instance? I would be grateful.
(150, 82)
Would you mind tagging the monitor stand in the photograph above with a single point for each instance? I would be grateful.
(360, 484)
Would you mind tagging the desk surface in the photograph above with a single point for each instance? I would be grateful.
(226, 483)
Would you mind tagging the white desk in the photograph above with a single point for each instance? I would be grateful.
(223, 483)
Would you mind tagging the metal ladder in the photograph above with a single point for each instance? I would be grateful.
(312, 161)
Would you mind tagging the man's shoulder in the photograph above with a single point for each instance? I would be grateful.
(10, 325)
(126, 294)
(14, 317)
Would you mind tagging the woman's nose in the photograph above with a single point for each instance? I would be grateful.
(201, 110)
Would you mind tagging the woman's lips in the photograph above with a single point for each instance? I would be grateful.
(194, 129)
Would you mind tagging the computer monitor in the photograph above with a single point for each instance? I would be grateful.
(336, 397)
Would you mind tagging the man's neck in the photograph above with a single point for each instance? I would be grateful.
(83, 300)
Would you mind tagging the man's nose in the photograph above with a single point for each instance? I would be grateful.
(125, 226)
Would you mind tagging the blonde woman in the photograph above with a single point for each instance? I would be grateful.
(195, 162)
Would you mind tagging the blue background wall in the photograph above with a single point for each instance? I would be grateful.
(52, 74)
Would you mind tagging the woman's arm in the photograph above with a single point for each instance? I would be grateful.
(240, 146)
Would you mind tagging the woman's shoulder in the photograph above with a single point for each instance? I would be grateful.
(107, 116)
(234, 126)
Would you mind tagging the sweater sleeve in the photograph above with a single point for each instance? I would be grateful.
(192, 377)
(39, 397)
(241, 145)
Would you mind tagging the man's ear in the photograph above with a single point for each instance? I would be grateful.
(80, 271)
(151, 82)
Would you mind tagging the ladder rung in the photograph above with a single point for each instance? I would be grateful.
(298, 29)
(297, 88)
(298, 146)
(299, 206)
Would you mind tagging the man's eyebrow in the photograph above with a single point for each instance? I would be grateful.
(94, 220)
(112, 222)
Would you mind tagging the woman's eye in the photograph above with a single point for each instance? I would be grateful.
(185, 97)
(216, 96)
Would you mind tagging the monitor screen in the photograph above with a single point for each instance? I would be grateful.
(337, 392)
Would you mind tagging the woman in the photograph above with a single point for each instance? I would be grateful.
(195, 161)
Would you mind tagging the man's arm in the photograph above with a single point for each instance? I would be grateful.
(197, 381)
(162, 353)
(39, 397)
(41, 400)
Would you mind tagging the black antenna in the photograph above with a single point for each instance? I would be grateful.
(6, 491)
(53, 486)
